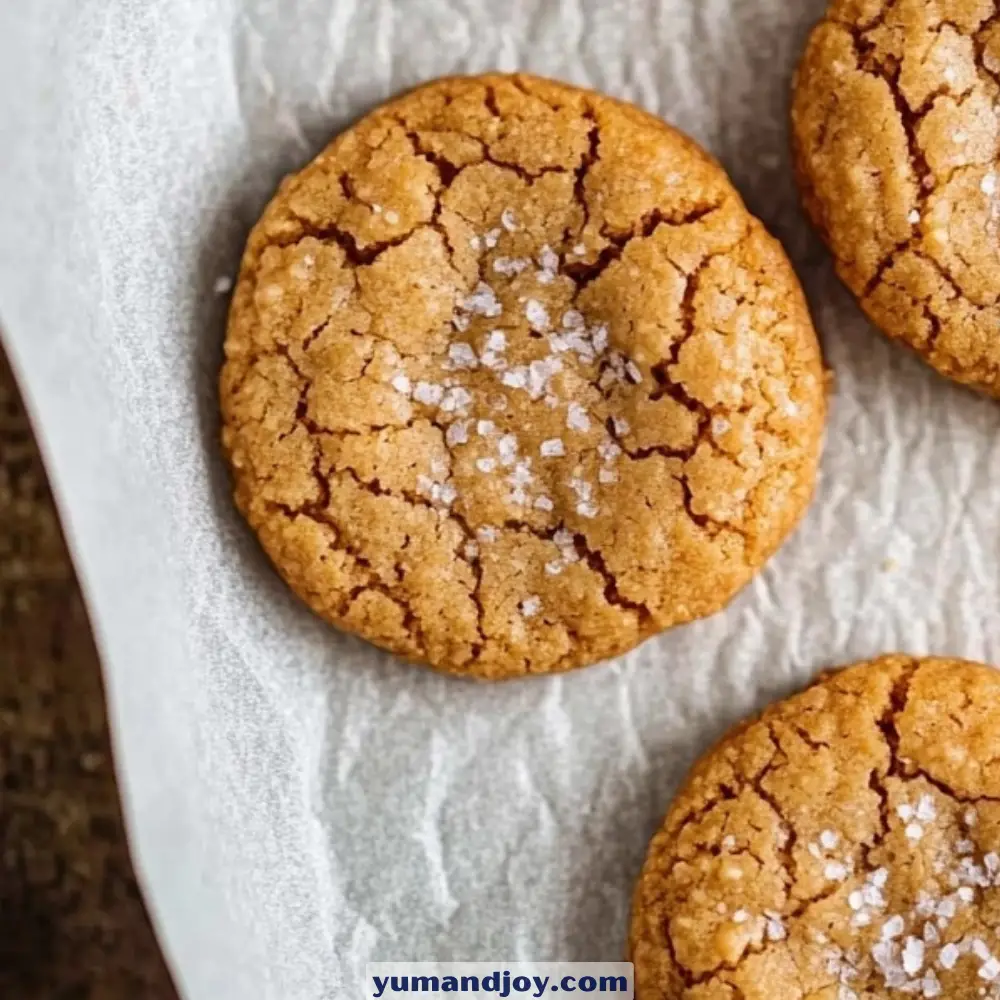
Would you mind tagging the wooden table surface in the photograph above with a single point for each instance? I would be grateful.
(72, 922)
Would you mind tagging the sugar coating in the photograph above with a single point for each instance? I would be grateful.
(481, 359)
(897, 138)
(815, 890)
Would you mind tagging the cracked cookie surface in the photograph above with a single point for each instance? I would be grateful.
(844, 846)
(897, 135)
(513, 380)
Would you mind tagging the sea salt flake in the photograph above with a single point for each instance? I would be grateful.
(580, 250)
(552, 448)
(913, 956)
(507, 449)
(518, 496)
(491, 238)
(828, 840)
(509, 266)
(460, 322)
(608, 450)
(482, 301)
(487, 534)
(392, 217)
(428, 393)
(607, 476)
(892, 928)
(587, 509)
(462, 355)
(576, 418)
(222, 284)
(457, 433)
(401, 383)
(508, 221)
(554, 568)
(926, 811)
(835, 871)
(989, 970)
(530, 606)
(775, 928)
(573, 319)
(965, 847)
(548, 258)
(486, 464)
(475, 242)
(741, 917)
(856, 900)
(966, 894)
(496, 341)
(471, 550)
(913, 217)
(456, 399)
(544, 503)
(989, 184)
(948, 956)
(621, 426)
(516, 378)
(537, 315)
(914, 832)
(599, 339)
(633, 372)
(492, 360)
(521, 476)
(539, 374)
(905, 812)
(485, 427)
(981, 950)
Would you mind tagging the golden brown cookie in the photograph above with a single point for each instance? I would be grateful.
(897, 135)
(844, 846)
(514, 381)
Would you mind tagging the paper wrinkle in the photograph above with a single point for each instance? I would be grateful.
(299, 803)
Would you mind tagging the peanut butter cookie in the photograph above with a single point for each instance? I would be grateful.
(897, 135)
(514, 381)
(844, 846)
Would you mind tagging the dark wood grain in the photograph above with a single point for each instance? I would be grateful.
(72, 922)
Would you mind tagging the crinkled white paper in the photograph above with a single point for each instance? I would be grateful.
(299, 803)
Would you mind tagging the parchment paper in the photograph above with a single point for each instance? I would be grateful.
(298, 803)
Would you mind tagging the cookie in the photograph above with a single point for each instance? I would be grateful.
(513, 380)
(896, 142)
(844, 846)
